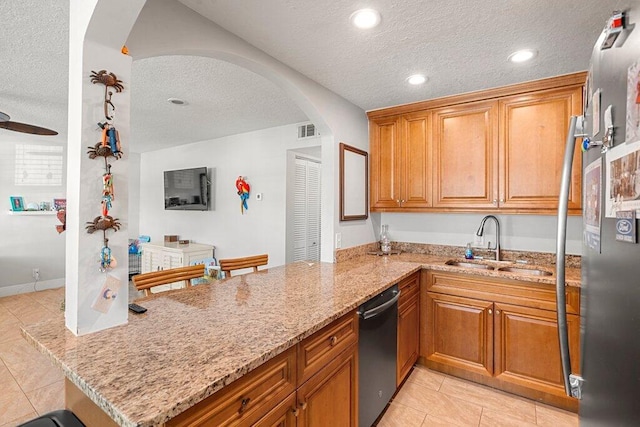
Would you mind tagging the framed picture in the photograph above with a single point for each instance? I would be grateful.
(17, 204)
(59, 204)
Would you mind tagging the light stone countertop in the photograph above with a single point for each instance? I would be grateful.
(192, 342)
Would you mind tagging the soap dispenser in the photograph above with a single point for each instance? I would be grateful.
(468, 253)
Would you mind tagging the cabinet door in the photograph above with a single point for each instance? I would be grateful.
(172, 260)
(152, 259)
(533, 133)
(465, 147)
(408, 335)
(330, 397)
(460, 333)
(283, 415)
(415, 161)
(385, 150)
(527, 352)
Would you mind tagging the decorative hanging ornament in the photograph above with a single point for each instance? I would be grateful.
(243, 191)
(107, 260)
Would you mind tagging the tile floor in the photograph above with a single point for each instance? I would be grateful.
(30, 385)
(429, 398)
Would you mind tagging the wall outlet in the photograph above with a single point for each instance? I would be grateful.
(35, 273)
(338, 240)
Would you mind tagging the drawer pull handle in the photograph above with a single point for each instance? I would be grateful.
(497, 311)
(303, 405)
(295, 411)
(490, 311)
(333, 341)
(243, 404)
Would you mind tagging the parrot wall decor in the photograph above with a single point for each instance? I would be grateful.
(243, 191)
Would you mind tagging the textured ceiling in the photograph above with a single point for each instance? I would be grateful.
(461, 45)
(222, 99)
(34, 63)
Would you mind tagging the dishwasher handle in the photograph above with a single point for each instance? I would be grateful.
(375, 311)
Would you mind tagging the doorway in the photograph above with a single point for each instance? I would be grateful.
(303, 208)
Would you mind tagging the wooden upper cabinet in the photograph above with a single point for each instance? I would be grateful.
(533, 133)
(415, 167)
(465, 147)
(384, 135)
(499, 150)
(400, 162)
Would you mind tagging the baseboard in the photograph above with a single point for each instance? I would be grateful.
(24, 288)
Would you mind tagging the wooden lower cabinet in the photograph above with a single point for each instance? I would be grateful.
(487, 338)
(408, 326)
(247, 399)
(527, 351)
(330, 397)
(460, 333)
(283, 415)
(314, 383)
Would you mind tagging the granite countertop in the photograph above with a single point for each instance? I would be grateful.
(192, 342)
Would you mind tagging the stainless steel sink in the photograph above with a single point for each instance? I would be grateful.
(468, 265)
(526, 271)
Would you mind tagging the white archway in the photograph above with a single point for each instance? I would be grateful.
(98, 30)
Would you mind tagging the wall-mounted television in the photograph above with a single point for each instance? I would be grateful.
(187, 189)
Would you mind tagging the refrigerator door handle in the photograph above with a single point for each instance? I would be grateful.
(575, 131)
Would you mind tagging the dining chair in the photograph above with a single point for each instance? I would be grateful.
(230, 264)
(146, 281)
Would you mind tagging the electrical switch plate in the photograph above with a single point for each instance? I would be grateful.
(338, 240)
(259, 196)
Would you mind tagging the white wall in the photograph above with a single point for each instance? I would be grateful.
(259, 156)
(28, 242)
(134, 195)
(518, 232)
(167, 27)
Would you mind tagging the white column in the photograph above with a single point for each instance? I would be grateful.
(98, 30)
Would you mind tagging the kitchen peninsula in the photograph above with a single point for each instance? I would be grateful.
(193, 342)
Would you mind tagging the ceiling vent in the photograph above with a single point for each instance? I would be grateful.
(307, 131)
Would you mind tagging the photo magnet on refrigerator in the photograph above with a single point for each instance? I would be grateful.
(626, 226)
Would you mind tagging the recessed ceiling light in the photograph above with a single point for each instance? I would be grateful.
(177, 101)
(522, 55)
(365, 18)
(416, 79)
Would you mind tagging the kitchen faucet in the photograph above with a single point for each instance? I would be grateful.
(481, 231)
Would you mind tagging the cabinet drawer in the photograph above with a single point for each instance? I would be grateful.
(409, 287)
(527, 294)
(326, 344)
(248, 399)
(283, 415)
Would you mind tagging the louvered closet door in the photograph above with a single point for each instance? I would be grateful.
(306, 205)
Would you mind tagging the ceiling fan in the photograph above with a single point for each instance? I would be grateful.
(5, 123)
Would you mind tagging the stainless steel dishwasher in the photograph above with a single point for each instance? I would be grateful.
(377, 354)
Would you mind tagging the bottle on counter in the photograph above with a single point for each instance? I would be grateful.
(468, 252)
(385, 240)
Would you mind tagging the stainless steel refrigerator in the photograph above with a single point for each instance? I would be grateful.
(609, 379)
